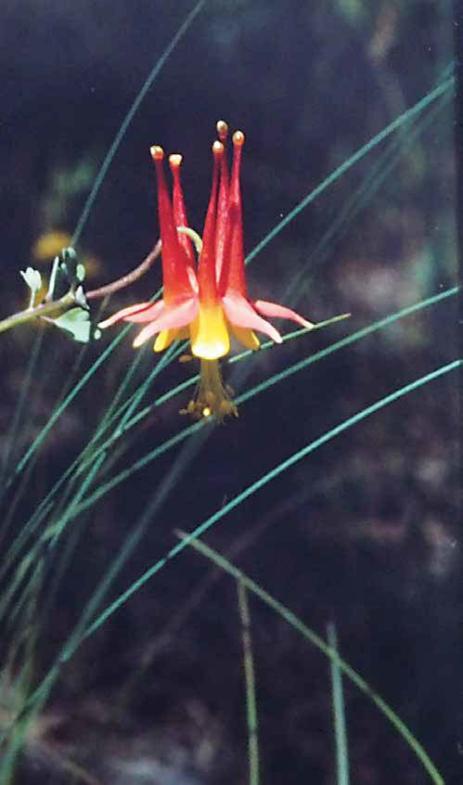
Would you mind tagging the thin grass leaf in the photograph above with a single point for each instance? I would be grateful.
(18, 417)
(256, 486)
(339, 712)
(445, 86)
(362, 197)
(250, 684)
(37, 557)
(181, 436)
(160, 63)
(316, 640)
(56, 414)
(178, 438)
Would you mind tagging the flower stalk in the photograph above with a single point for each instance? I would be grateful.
(49, 309)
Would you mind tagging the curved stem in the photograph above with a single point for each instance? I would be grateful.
(194, 237)
(126, 280)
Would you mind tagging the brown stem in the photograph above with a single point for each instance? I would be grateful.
(55, 308)
(126, 280)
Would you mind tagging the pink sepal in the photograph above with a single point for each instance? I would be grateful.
(153, 312)
(280, 312)
(173, 317)
(240, 312)
(122, 314)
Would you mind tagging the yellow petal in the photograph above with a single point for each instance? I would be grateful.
(246, 337)
(166, 337)
(209, 333)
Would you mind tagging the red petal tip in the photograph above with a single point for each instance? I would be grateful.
(222, 130)
(217, 149)
(157, 153)
(238, 138)
(175, 160)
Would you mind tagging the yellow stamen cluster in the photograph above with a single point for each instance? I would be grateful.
(212, 396)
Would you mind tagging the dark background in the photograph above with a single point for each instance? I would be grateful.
(365, 532)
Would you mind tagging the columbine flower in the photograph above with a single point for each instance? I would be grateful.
(213, 302)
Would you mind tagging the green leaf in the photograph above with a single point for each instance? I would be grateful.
(77, 323)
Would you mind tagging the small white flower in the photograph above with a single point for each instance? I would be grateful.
(33, 280)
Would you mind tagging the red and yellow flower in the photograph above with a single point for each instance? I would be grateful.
(210, 302)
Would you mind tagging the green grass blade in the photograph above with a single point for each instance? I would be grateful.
(47, 542)
(266, 384)
(40, 438)
(89, 205)
(95, 602)
(189, 431)
(129, 117)
(339, 712)
(115, 404)
(361, 198)
(406, 116)
(343, 342)
(17, 420)
(316, 640)
(261, 483)
(250, 684)
(443, 87)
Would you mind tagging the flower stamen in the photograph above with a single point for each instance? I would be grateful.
(212, 397)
